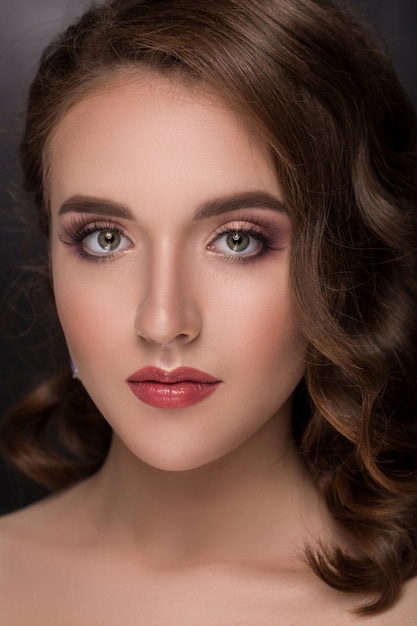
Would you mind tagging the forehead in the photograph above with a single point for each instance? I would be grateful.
(152, 130)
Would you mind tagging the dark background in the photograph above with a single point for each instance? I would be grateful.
(25, 27)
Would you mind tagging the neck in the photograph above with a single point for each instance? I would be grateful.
(237, 507)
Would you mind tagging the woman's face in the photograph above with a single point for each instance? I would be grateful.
(170, 268)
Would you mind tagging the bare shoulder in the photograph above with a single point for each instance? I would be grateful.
(52, 564)
(19, 552)
(36, 543)
(29, 523)
(405, 610)
(15, 531)
(22, 537)
(52, 523)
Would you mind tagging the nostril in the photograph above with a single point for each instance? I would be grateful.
(182, 325)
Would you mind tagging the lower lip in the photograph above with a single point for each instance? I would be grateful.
(172, 395)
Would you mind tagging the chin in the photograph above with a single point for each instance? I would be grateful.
(180, 464)
(177, 459)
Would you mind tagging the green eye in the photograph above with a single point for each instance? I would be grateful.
(238, 242)
(109, 240)
(105, 241)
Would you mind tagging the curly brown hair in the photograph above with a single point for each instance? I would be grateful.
(343, 134)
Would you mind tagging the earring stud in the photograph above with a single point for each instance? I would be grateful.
(74, 370)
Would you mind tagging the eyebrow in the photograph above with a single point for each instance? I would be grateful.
(248, 200)
(97, 206)
(212, 208)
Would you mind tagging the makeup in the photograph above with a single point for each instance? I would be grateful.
(171, 241)
(177, 389)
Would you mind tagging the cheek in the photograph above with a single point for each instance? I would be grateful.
(77, 320)
(88, 310)
(256, 319)
(275, 349)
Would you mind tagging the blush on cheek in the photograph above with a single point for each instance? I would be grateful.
(80, 317)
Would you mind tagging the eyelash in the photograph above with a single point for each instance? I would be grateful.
(268, 238)
(76, 232)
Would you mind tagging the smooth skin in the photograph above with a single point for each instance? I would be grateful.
(170, 247)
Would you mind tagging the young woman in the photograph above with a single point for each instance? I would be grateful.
(229, 194)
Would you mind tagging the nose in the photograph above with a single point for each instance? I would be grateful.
(168, 311)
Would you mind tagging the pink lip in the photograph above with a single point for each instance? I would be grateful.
(177, 389)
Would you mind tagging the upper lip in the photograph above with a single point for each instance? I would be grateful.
(181, 374)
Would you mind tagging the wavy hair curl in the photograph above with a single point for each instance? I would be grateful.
(343, 135)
